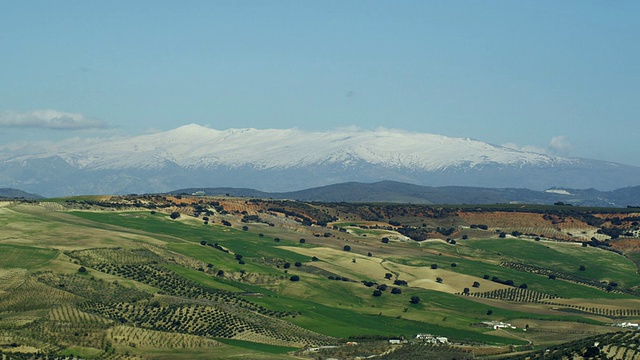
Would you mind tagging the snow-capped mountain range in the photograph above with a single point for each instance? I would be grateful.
(289, 159)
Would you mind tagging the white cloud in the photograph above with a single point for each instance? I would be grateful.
(560, 144)
(49, 119)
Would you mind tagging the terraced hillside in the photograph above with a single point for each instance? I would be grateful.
(154, 277)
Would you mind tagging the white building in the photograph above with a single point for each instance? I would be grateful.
(432, 339)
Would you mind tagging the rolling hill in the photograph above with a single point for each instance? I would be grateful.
(397, 192)
(157, 276)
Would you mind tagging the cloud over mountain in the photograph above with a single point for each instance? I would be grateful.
(49, 119)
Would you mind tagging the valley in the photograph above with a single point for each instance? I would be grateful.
(188, 277)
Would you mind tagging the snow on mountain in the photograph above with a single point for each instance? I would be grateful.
(289, 159)
(194, 146)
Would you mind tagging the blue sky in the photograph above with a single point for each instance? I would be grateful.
(561, 77)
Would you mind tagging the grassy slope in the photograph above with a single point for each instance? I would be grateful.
(340, 309)
(330, 320)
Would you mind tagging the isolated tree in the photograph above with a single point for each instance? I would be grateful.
(552, 276)
(439, 280)
(489, 312)
(174, 215)
(346, 248)
(502, 235)
(434, 266)
(454, 264)
(203, 243)
(82, 269)
(385, 240)
(245, 228)
(315, 258)
(466, 291)
(414, 300)
(465, 237)
(294, 278)
(377, 292)
(369, 254)
(523, 286)
(302, 241)
(582, 268)
(286, 265)
(298, 264)
(388, 276)
(476, 284)
(396, 291)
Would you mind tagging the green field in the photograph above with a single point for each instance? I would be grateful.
(24, 257)
(153, 275)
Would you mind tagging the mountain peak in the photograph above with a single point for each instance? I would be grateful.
(289, 159)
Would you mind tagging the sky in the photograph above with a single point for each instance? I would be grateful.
(556, 77)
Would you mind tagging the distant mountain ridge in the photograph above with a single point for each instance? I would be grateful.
(396, 192)
(6, 193)
(290, 159)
